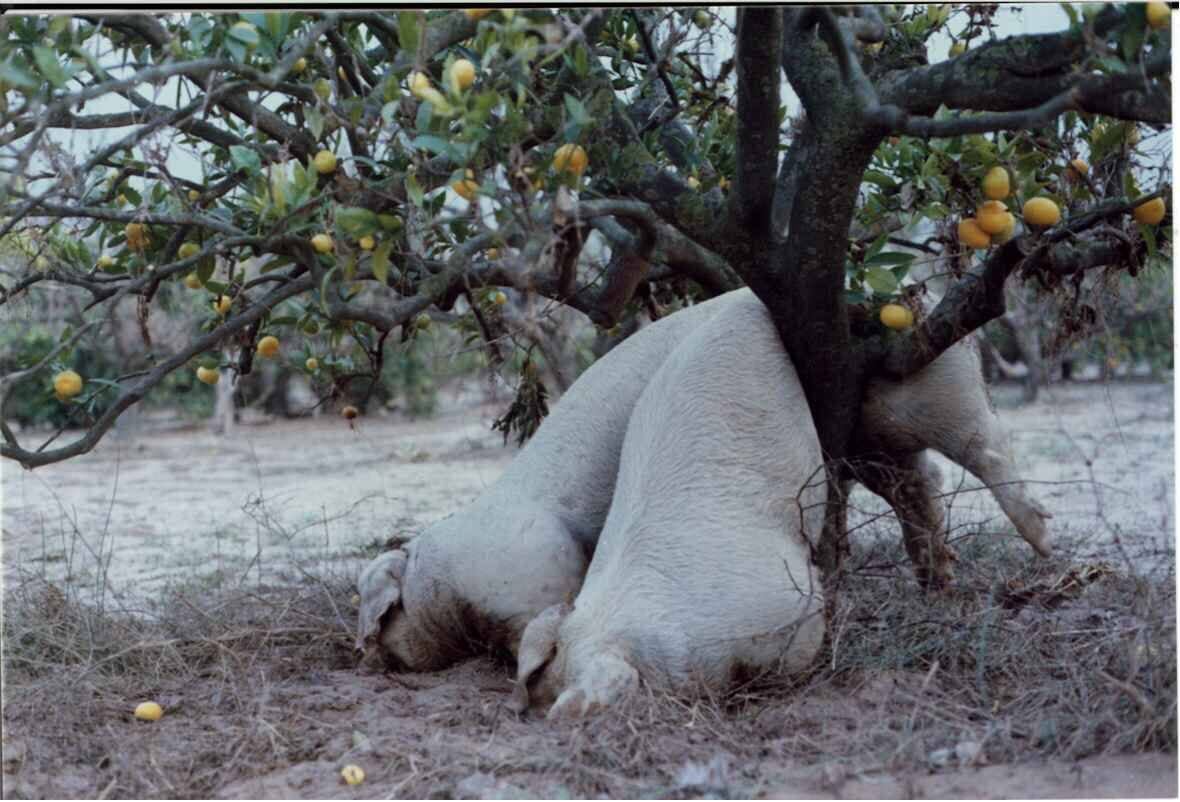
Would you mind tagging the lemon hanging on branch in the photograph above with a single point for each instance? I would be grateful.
(66, 385)
(570, 158)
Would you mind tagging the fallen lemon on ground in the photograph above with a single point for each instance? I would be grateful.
(991, 216)
(268, 346)
(325, 162)
(312, 364)
(148, 711)
(462, 75)
(353, 774)
(208, 375)
(570, 158)
(995, 184)
(1041, 212)
(322, 243)
(367, 243)
(1158, 15)
(1150, 213)
(350, 412)
(188, 249)
(971, 235)
(467, 187)
(896, 316)
(67, 384)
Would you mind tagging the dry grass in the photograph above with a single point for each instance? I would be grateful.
(261, 682)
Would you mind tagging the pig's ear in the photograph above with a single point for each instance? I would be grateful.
(380, 586)
(538, 645)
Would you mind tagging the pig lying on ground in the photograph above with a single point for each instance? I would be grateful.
(703, 571)
(471, 582)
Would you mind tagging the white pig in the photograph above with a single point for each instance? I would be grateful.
(472, 581)
(703, 571)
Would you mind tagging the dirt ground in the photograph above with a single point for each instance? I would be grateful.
(277, 503)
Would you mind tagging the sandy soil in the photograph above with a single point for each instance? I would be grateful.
(258, 506)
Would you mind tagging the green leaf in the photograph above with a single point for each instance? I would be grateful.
(324, 291)
(205, 268)
(1134, 29)
(1148, 234)
(889, 259)
(880, 179)
(425, 115)
(133, 197)
(414, 190)
(407, 31)
(435, 144)
(315, 121)
(576, 110)
(881, 281)
(18, 75)
(380, 264)
(49, 67)
(277, 24)
(355, 221)
(245, 33)
(245, 158)
(877, 245)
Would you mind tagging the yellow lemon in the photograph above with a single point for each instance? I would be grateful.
(896, 316)
(1077, 168)
(322, 243)
(325, 162)
(312, 364)
(991, 216)
(105, 262)
(367, 243)
(350, 412)
(462, 75)
(492, 253)
(67, 384)
(422, 321)
(499, 298)
(570, 158)
(299, 66)
(419, 83)
(222, 304)
(957, 49)
(995, 184)
(1007, 231)
(694, 182)
(148, 711)
(1041, 212)
(268, 346)
(467, 187)
(353, 774)
(971, 235)
(477, 13)
(343, 75)
(1150, 213)
(192, 281)
(188, 249)
(194, 196)
(1158, 15)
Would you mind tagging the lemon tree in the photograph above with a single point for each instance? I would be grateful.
(361, 182)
